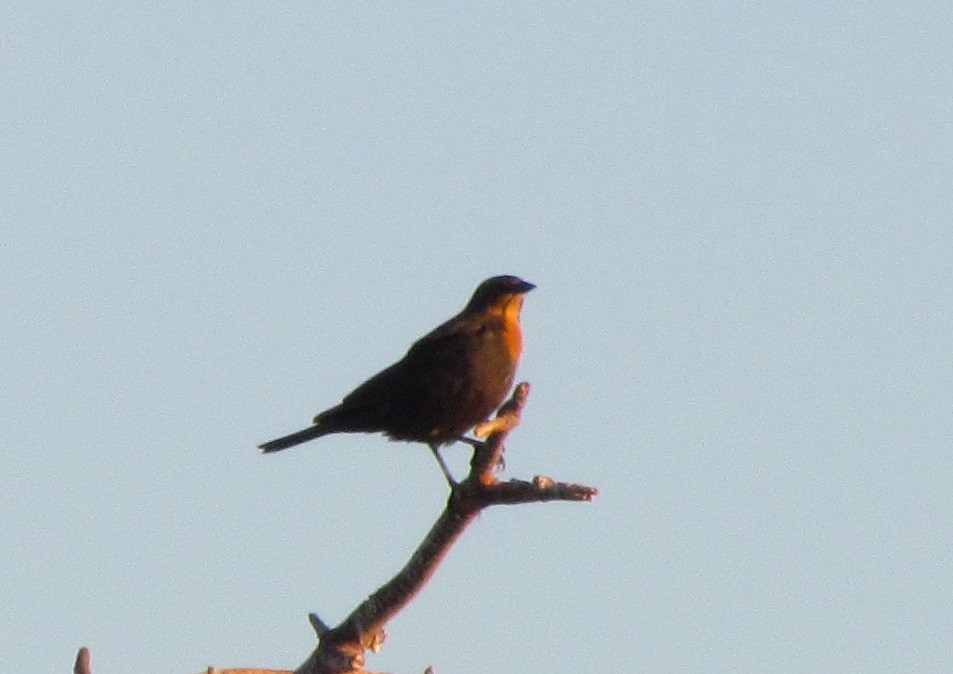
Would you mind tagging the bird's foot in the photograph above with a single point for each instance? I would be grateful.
(473, 442)
(478, 444)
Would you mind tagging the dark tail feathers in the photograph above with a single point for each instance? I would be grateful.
(294, 439)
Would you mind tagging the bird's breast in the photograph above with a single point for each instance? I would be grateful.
(512, 333)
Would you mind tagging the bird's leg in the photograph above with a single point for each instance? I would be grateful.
(443, 465)
(477, 444)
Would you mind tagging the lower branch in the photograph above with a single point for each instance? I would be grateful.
(341, 649)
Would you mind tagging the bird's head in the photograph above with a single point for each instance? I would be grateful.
(498, 292)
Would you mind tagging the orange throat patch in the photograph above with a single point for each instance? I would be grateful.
(512, 332)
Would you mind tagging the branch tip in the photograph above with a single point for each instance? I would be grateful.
(317, 624)
(81, 666)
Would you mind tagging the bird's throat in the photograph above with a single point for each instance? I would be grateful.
(512, 333)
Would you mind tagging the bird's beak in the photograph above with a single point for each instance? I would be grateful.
(524, 286)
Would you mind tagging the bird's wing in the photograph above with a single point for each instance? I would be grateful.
(451, 329)
(433, 353)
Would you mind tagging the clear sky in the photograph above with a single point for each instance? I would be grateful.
(219, 218)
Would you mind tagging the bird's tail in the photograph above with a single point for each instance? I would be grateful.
(287, 441)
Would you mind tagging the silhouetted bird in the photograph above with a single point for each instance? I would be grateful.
(449, 381)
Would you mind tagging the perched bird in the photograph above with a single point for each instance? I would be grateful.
(449, 381)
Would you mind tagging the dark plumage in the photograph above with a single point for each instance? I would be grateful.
(449, 381)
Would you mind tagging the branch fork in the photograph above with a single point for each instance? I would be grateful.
(341, 649)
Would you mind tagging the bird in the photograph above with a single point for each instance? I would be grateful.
(450, 380)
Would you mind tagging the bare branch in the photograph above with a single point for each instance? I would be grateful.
(81, 666)
(341, 649)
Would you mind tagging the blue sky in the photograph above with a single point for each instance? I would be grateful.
(219, 219)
